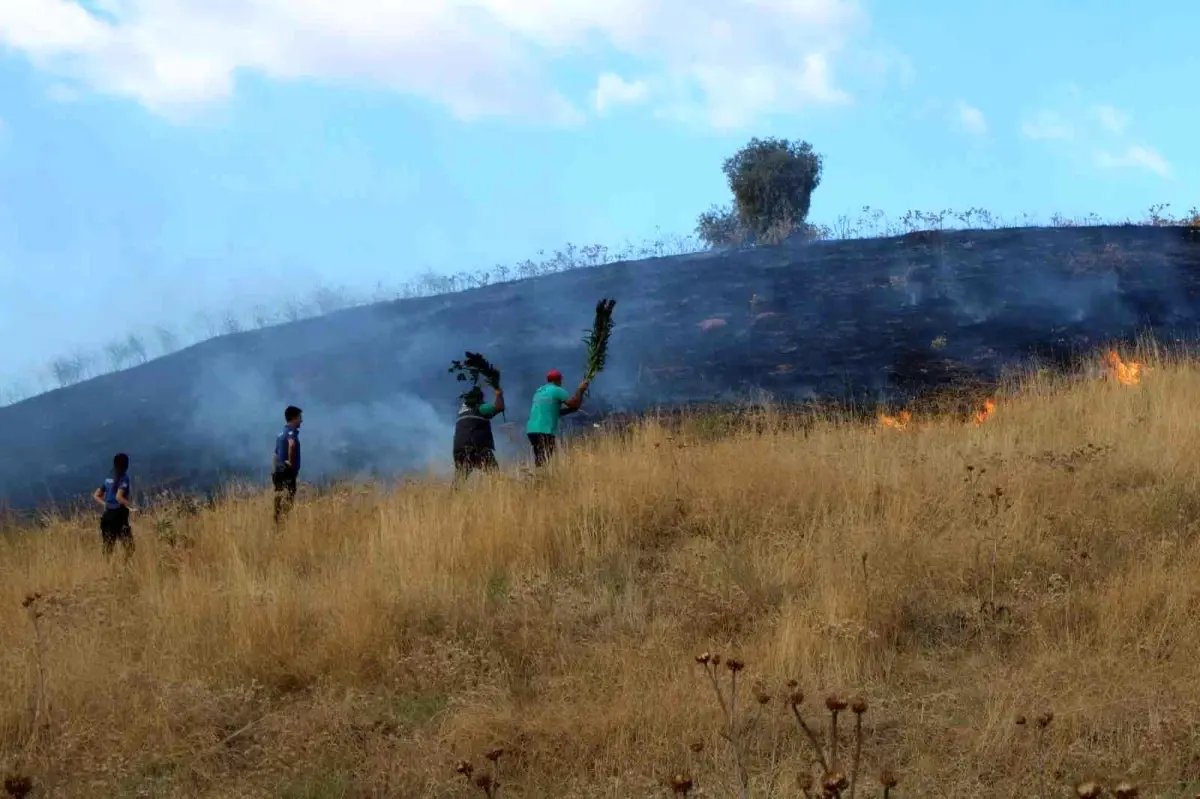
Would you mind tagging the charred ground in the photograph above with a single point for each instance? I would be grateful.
(867, 320)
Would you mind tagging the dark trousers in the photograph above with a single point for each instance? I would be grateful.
(114, 527)
(543, 447)
(284, 481)
(468, 459)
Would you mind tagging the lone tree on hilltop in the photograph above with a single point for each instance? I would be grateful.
(772, 181)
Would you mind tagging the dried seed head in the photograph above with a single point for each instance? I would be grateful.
(795, 698)
(761, 696)
(716, 660)
(888, 779)
(465, 768)
(1020, 719)
(703, 658)
(495, 754)
(29, 600)
(681, 783)
(696, 746)
(834, 782)
(1126, 790)
(859, 705)
(835, 703)
(1044, 719)
(483, 781)
(17, 786)
(734, 665)
(1088, 790)
(793, 684)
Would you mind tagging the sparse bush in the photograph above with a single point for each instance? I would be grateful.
(14, 392)
(136, 349)
(168, 341)
(327, 300)
(720, 228)
(123, 353)
(68, 369)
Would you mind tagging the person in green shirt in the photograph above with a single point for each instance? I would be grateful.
(550, 402)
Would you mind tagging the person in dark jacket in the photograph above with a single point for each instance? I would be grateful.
(474, 445)
(116, 495)
(286, 462)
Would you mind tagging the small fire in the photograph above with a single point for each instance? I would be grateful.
(1127, 374)
(989, 407)
(897, 422)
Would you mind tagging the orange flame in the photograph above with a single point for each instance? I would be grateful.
(897, 422)
(989, 407)
(1127, 374)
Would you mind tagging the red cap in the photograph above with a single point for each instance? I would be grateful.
(553, 375)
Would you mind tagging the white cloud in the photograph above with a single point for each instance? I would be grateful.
(1048, 125)
(884, 62)
(1111, 119)
(1135, 157)
(613, 90)
(1086, 127)
(971, 119)
(62, 93)
(727, 63)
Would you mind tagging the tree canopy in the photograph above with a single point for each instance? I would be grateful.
(772, 181)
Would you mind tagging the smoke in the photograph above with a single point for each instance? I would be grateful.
(873, 319)
(238, 411)
(347, 372)
(1037, 294)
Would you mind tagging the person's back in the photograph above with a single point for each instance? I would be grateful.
(473, 426)
(546, 410)
(116, 495)
(114, 485)
(474, 443)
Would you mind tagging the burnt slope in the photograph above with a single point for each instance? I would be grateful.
(828, 319)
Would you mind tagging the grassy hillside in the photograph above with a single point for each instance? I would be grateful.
(868, 319)
(1041, 563)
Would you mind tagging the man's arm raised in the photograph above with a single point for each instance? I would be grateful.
(576, 402)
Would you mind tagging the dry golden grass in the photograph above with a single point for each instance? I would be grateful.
(1043, 564)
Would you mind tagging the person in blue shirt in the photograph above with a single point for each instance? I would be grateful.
(550, 403)
(286, 462)
(116, 495)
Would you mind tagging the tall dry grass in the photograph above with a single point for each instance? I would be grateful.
(1043, 564)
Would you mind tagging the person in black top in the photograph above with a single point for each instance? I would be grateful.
(474, 445)
(286, 462)
(116, 495)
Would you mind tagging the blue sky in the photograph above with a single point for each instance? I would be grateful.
(159, 158)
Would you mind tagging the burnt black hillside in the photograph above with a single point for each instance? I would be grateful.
(826, 319)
